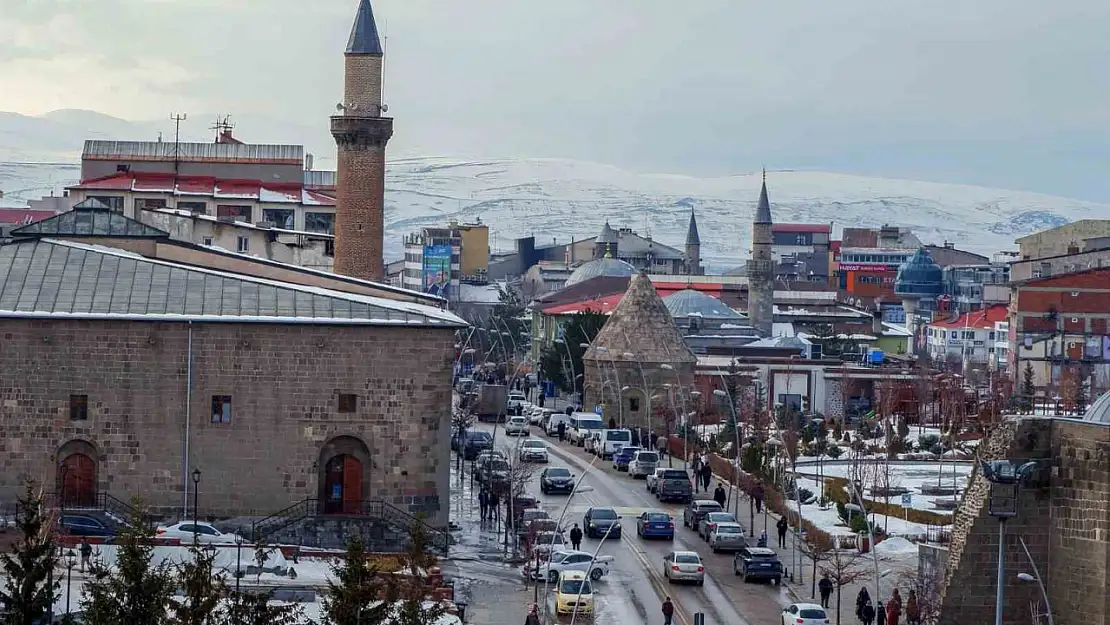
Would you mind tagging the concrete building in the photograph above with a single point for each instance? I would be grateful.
(761, 268)
(801, 252)
(973, 287)
(131, 359)
(970, 340)
(361, 135)
(1095, 254)
(1066, 239)
(642, 252)
(438, 260)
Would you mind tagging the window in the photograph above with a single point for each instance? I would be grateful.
(114, 202)
(329, 247)
(280, 217)
(221, 409)
(990, 336)
(207, 241)
(236, 212)
(78, 407)
(197, 208)
(149, 203)
(348, 402)
(320, 222)
(243, 244)
(634, 404)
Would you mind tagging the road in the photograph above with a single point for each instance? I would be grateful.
(636, 583)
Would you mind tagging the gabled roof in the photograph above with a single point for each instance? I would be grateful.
(46, 278)
(90, 218)
(364, 32)
(981, 319)
(642, 326)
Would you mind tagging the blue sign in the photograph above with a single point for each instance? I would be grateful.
(599, 410)
(437, 269)
(907, 500)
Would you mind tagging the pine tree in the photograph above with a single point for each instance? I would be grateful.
(253, 608)
(202, 590)
(354, 592)
(27, 593)
(1028, 389)
(409, 588)
(135, 590)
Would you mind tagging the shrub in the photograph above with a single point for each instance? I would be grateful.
(928, 442)
(858, 523)
(833, 451)
(842, 511)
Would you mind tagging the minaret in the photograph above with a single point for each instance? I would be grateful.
(693, 247)
(761, 269)
(361, 134)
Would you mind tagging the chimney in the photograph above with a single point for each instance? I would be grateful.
(877, 322)
(308, 162)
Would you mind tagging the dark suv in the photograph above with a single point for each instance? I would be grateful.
(694, 511)
(476, 443)
(556, 480)
(757, 563)
(674, 486)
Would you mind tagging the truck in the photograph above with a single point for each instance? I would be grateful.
(492, 402)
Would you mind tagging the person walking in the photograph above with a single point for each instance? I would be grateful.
(782, 526)
(913, 610)
(880, 614)
(706, 475)
(576, 537)
(668, 611)
(533, 617)
(494, 506)
(612, 423)
(483, 503)
(825, 587)
(862, 599)
(86, 554)
(661, 445)
(562, 428)
(866, 613)
(757, 494)
(719, 495)
(894, 608)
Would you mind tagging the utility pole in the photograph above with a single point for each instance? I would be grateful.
(177, 119)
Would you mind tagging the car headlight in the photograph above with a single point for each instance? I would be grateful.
(592, 524)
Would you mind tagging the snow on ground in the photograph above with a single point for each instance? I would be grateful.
(828, 519)
(908, 475)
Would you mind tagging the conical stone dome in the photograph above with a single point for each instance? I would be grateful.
(642, 326)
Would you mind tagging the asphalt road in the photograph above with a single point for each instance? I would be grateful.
(636, 584)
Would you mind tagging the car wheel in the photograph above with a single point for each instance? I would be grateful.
(595, 574)
(701, 582)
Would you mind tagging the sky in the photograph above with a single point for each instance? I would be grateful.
(1005, 93)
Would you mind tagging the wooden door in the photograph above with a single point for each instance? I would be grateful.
(79, 481)
(352, 484)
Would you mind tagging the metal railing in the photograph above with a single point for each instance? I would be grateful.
(374, 509)
(115, 508)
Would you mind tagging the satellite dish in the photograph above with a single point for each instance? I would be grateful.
(339, 107)
(384, 108)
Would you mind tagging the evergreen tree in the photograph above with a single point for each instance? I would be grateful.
(561, 361)
(1028, 389)
(135, 590)
(253, 608)
(409, 589)
(354, 590)
(202, 588)
(27, 593)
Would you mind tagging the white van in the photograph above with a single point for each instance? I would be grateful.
(582, 425)
(612, 441)
(554, 420)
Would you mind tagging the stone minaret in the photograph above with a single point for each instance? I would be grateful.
(761, 269)
(693, 248)
(361, 134)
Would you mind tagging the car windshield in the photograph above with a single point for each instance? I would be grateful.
(618, 435)
(709, 507)
(719, 517)
(535, 444)
(728, 529)
(647, 456)
(687, 559)
(628, 451)
(558, 473)
(498, 465)
(516, 396)
(603, 514)
(763, 556)
(479, 436)
(589, 425)
(817, 614)
(576, 586)
(549, 538)
(657, 517)
(517, 420)
(674, 474)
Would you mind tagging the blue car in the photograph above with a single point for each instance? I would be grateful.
(655, 525)
(624, 456)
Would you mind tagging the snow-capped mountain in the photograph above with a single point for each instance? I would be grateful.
(561, 199)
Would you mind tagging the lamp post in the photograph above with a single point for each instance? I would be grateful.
(71, 561)
(725, 394)
(1005, 480)
(196, 488)
(1036, 577)
(238, 560)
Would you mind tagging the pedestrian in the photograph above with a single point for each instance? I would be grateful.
(782, 526)
(706, 475)
(862, 599)
(576, 537)
(880, 614)
(612, 423)
(762, 539)
(668, 611)
(86, 553)
(533, 617)
(913, 610)
(483, 503)
(894, 608)
(562, 428)
(719, 495)
(661, 445)
(494, 506)
(867, 613)
(757, 494)
(825, 586)
(695, 466)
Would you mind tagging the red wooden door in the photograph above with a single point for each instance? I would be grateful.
(352, 484)
(79, 480)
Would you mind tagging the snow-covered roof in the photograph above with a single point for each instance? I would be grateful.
(479, 293)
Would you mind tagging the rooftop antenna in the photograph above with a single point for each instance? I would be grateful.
(177, 119)
(382, 107)
(222, 125)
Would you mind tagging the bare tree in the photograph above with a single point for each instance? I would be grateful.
(843, 567)
(926, 583)
(816, 547)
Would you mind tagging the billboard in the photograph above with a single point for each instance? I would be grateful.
(437, 269)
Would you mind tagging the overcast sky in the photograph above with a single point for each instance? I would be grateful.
(1009, 93)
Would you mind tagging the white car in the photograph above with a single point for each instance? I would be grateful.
(535, 415)
(517, 426)
(652, 480)
(548, 542)
(204, 532)
(516, 401)
(804, 614)
(533, 450)
(685, 566)
(572, 561)
(643, 464)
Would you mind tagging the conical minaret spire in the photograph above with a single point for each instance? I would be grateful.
(761, 268)
(693, 247)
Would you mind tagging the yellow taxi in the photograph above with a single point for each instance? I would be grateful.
(574, 594)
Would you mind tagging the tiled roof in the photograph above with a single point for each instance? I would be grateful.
(90, 218)
(642, 326)
(220, 189)
(604, 305)
(982, 319)
(47, 278)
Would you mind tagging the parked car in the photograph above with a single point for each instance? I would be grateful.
(624, 456)
(675, 487)
(574, 594)
(655, 524)
(757, 563)
(533, 450)
(580, 561)
(684, 566)
(727, 537)
(643, 463)
(709, 520)
(804, 614)
(592, 444)
(611, 441)
(556, 480)
(476, 443)
(535, 415)
(652, 479)
(599, 522)
(696, 509)
(545, 543)
(494, 473)
(582, 425)
(553, 421)
(515, 403)
(517, 426)
(524, 520)
(204, 532)
(83, 525)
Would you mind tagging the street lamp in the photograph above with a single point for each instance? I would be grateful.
(1036, 577)
(1005, 480)
(71, 561)
(725, 394)
(196, 488)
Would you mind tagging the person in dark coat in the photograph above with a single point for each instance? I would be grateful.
(706, 476)
(533, 617)
(612, 423)
(867, 613)
(483, 503)
(562, 428)
(494, 506)
(668, 611)
(880, 614)
(576, 537)
(782, 526)
(719, 495)
(862, 599)
(825, 587)
(757, 494)
(86, 553)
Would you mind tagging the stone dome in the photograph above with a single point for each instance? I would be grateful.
(1099, 412)
(692, 302)
(601, 267)
(919, 277)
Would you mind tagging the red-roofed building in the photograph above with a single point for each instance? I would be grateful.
(603, 305)
(22, 216)
(980, 337)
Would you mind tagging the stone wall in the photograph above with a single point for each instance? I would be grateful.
(284, 381)
(602, 379)
(1064, 525)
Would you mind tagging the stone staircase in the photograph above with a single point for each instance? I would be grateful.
(383, 528)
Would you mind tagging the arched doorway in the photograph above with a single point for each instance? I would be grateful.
(343, 479)
(77, 474)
